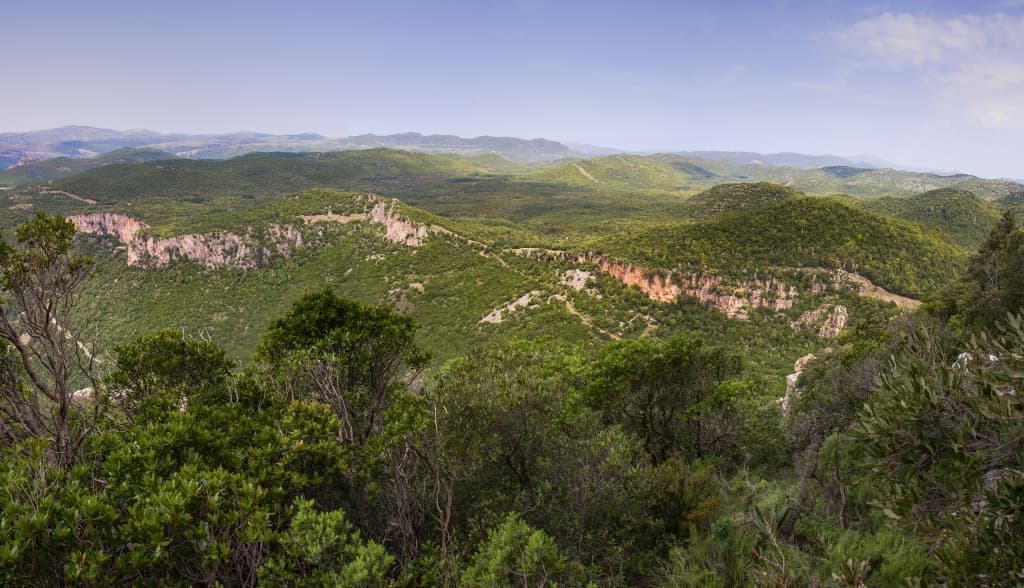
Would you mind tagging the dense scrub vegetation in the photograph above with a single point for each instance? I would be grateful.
(251, 426)
(59, 167)
(734, 198)
(338, 458)
(960, 214)
(800, 232)
(552, 204)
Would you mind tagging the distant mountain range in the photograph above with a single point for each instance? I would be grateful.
(82, 142)
(798, 160)
(18, 150)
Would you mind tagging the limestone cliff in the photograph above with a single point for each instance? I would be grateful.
(792, 381)
(734, 297)
(121, 226)
(828, 320)
(396, 228)
(248, 250)
(221, 249)
(214, 249)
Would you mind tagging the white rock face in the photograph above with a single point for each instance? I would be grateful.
(209, 250)
(397, 229)
(82, 396)
(792, 391)
(226, 249)
(121, 226)
(498, 314)
(835, 322)
(829, 320)
(576, 279)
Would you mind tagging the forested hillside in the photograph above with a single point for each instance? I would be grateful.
(960, 214)
(380, 368)
(59, 167)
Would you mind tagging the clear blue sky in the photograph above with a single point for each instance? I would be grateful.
(935, 84)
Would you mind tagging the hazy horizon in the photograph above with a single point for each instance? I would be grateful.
(937, 85)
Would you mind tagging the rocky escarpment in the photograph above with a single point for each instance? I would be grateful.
(121, 226)
(216, 249)
(219, 249)
(499, 314)
(734, 297)
(828, 320)
(397, 229)
(247, 250)
(792, 381)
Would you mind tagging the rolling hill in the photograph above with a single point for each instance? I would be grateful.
(688, 174)
(958, 213)
(733, 198)
(80, 141)
(51, 169)
(227, 275)
(799, 232)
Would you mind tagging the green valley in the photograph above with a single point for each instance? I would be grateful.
(430, 358)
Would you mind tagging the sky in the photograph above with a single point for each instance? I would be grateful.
(937, 84)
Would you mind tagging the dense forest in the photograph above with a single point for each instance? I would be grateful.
(337, 457)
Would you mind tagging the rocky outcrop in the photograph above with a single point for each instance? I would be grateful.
(334, 218)
(835, 322)
(792, 391)
(121, 226)
(397, 229)
(498, 314)
(227, 249)
(210, 250)
(577, 280)
(868, 289)
(732, 297)
(829, 320)
(285, 238)
(221, 249)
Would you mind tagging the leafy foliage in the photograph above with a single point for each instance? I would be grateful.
(157, 373)
(678, 397)
(801, 232)
(994, 283)
(516, 555)
(340, 455)
(961, 215)
(43, 354)
(322, 549)
(943, 438)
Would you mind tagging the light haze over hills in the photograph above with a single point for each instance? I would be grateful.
(21, 149)
(933, 85)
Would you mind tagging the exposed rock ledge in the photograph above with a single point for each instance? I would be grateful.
(121, 226)
(829, 320)
(396, 228)
(734, 298)
(498, 314)
(226, 249)
(792, 390)
(220, 249)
